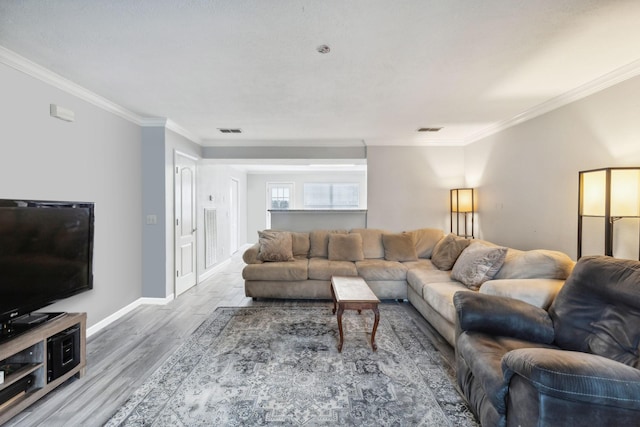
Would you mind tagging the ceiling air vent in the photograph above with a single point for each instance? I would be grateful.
(229, 130)
(429, 129)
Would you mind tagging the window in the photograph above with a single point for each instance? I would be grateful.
(331, 196)
(279, 196)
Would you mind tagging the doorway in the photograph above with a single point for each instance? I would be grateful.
(185, 222)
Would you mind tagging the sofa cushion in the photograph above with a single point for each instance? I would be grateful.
(535, 264)
(380, 269)
(477, 264)
(447, 251)
(371, 242)
(425, 239)
(399, 247)
(319, 242)
(439, 295)
(537, 292)
(418, 278)
(285, 271)
(323, 269)
(345, 247)
(300, 243)
(275, 246)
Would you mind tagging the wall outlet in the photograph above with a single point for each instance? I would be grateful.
(152, 219)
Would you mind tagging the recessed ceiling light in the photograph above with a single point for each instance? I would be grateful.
(323, 48)
(429, 129)
(230, 130)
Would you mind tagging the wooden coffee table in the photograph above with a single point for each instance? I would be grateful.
(353, 293)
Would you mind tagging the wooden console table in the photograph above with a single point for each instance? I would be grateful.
(29, 349)
(353, 293)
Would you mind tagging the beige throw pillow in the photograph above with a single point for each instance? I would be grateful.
(399, 247)
(345, 247)
(319, 242)
(275, 246)
(477, 264)
(447, 251)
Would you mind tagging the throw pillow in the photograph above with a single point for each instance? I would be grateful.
(319, 242)
(399, 247)
(447, 251)
(345, 247)
(275, 246)
(477, 264)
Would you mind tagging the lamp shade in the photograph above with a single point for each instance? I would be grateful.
(623, 191)
(463, 200)
(612, 194)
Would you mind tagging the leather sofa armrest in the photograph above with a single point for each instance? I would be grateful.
(250, 256)
(575, 376)
(502, 316)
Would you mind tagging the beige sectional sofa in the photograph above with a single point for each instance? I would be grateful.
(424, 266)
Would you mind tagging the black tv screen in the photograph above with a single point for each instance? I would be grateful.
(46, 252)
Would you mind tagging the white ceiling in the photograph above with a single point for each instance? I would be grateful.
(470, 67)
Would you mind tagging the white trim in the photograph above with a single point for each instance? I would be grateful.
(616, 76)
(125, 310)
(207, 274)
(47, 76)
(32, 69)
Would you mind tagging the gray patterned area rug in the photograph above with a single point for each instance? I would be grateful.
(280, 366)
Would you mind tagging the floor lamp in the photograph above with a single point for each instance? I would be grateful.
(611, 194)
(463, 202)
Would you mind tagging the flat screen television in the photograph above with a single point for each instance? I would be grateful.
(46, 254)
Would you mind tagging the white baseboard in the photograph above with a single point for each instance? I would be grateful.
(124, 310)
(204, 276)
(145, 300)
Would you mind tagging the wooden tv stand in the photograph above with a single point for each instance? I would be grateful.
(29, 349)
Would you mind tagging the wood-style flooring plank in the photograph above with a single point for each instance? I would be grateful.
(124, 354)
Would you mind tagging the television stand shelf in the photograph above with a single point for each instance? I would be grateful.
(29, 361)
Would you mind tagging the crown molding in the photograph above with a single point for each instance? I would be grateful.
(22, 64)
(173, 126)
(614, 77)
(45, 75)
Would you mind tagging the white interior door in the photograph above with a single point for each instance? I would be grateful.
(233, 221)
(185, 226)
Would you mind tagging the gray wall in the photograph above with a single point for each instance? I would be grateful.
(409, 186)
(527, 175)
(96, 158)
(154, 236)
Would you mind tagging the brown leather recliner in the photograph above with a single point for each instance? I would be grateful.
(575, 365)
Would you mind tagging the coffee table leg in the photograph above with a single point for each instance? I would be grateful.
(374, 346)
(340, 311)
(333, 297)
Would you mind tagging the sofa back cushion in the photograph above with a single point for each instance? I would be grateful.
(371, 242)
(535, 264)
(345, 247)
(319, 242)
(425, 239)
(598, 309)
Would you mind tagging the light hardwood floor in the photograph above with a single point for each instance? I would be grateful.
(121, 356)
